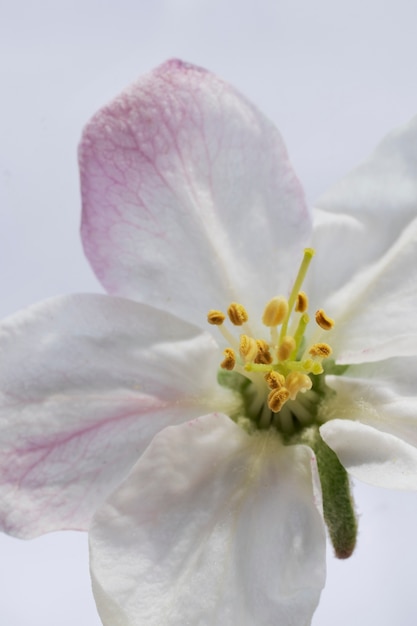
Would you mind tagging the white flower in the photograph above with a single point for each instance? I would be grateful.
(190, 205)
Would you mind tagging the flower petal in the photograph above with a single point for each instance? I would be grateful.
(371, 455)
(382, 395)
(362, 216)
(374, 319)
(212, 527)
(86, 382)
(187, 193)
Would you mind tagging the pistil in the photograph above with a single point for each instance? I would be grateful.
(308, 255)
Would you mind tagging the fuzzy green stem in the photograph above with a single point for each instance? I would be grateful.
(338, 508)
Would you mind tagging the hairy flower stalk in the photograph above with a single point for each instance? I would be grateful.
(203, 457)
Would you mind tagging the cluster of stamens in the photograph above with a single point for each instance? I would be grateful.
(283, 363)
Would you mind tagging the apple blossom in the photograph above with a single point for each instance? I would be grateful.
(276, 345)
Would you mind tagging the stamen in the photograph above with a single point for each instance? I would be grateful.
(286, 347)
(304, 409)
(301, 304)
(285, 420)
(322, 350)
(325, 322)
(262, 345)
(277, 398)
(275, 380)
(275, 311)
(229, 360)
(237, 314)
(295, 382)
(248, 348)
(264, 356)
(216, 318)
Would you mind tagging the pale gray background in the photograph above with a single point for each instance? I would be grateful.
(335, 77)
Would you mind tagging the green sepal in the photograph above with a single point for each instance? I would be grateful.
(338, 507)
(244, 389)
(233, 380)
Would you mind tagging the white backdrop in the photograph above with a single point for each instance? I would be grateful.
(335, 77)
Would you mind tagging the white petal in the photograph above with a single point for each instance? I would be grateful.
(189, 199)
(364, 214)
(212, 528)
(85, 383)
(374, 313)
(382, 395)
(372, 456)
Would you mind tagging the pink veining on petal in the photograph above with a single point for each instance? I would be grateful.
(70, 472)
(86, 382)
(185, 184)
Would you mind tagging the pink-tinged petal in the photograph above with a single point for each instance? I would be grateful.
(362, 216)
(372, 456)
(85, 383)
(382, 395)
(188, 194)
(374, 312)
(213, 527)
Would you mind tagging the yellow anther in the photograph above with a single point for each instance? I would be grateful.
(296, 382)
(237, 314)
(264, 356)
(325, 322)
(322, 350)
(248, 347)
(301, 304)
(275, 380)
(229, 360)
(286, 347)
(262, 345)
(275, 311)
(215, 317)
(277, 398)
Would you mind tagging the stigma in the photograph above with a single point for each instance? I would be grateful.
(280, 363)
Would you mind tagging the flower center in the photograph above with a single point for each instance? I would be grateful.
(277, 374)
